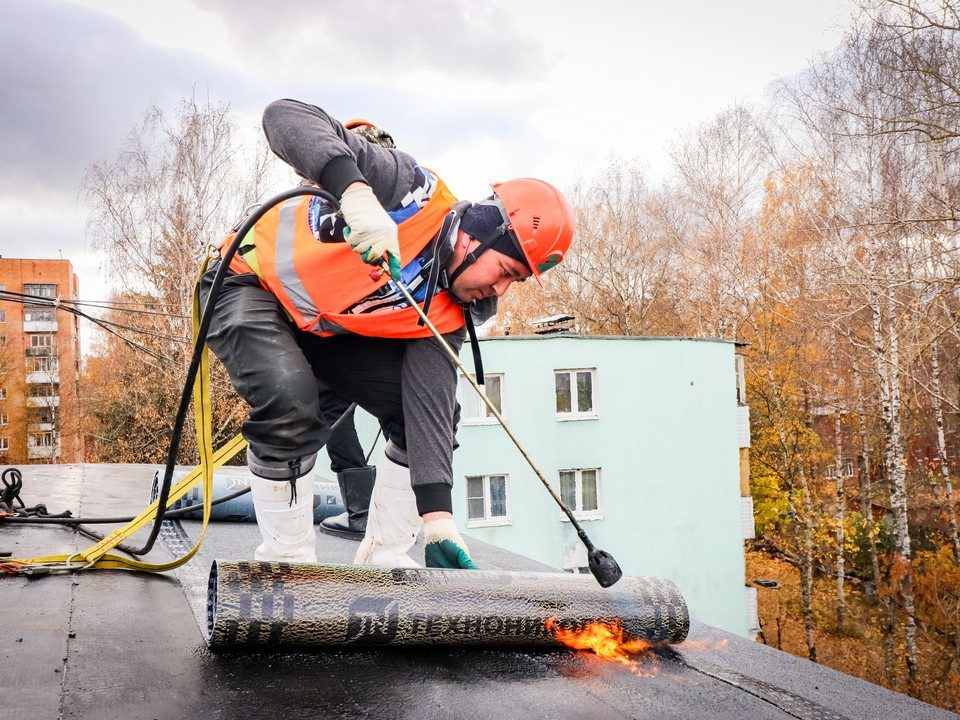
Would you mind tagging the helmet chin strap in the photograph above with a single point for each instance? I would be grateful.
(446, 282)
(471, 257)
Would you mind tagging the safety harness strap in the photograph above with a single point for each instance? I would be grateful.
(434, 275)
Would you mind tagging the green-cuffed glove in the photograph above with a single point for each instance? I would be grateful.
(370, 230)
(445, 547)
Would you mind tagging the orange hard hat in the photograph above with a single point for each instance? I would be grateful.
(541, 220)
(357, 122)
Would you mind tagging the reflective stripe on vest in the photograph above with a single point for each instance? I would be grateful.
(316, 281)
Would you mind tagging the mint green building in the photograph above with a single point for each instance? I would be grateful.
(640, 438)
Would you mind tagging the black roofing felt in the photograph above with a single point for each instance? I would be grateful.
(117, 644)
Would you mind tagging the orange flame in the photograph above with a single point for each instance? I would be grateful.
(604, 639)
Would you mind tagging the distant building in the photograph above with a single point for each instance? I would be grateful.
(645, 439)
(553, 324)
(39, 363)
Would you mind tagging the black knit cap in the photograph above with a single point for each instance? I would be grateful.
(482, 219)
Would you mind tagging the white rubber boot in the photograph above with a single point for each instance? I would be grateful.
(393, 522)
(285, 517)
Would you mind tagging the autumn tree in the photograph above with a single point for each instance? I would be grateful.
(717, 184)
(783, 354)
(177, 187)
(619, 274)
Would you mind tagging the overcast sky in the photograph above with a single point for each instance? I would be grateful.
(479, 90)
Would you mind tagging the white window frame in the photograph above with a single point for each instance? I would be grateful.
(593, 514)
(4, 444)
(46, 290)
(574, 413)
(3, 393)
(42, 415)
(468, 396)
(488, 520)
(43, 390)
(43, 364)
(4, 419)
(42, 440)
(830, 472)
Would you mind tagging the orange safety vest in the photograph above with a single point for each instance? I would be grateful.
(316, 281)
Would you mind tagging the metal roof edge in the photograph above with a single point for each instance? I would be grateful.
(645, 338)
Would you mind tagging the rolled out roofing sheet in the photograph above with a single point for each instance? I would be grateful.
(299, 605)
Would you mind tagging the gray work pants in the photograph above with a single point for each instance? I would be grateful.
(408, 385)
(344, 446)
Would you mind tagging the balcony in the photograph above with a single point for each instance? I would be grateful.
(743, 425)
(39, 352)
(40, 427)
(43, 445)
(36, 326)
(43, 401)
(41, 377)
(41, 452)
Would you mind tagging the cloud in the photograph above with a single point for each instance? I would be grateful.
(73, 83)
(408, 43)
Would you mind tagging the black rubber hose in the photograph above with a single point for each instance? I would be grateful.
(40, 520)
(199, 347)
(179, 512)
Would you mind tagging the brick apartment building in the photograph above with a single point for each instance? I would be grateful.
(39, 363)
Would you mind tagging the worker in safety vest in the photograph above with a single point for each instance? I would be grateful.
(297, 308)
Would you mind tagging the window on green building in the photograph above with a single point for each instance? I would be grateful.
(472, 407)
(575, 393)
(580, 491)
(487, 500)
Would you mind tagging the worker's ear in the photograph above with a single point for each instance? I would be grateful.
(463, 241)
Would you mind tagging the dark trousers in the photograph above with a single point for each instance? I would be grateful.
(408, 385)
(343, 447)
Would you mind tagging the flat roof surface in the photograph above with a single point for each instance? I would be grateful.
(120, 644)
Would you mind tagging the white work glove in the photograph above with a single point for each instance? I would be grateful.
(445, 547)
(370, 231)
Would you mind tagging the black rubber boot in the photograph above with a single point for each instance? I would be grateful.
(356, 485)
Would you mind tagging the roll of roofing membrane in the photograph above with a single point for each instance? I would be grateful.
(297, 605)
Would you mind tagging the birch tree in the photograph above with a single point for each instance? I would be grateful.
(866, 508)
(718, 182)
(942, 455)
(840, 498)
(176, 187)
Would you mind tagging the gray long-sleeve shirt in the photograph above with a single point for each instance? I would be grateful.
(321, 149)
